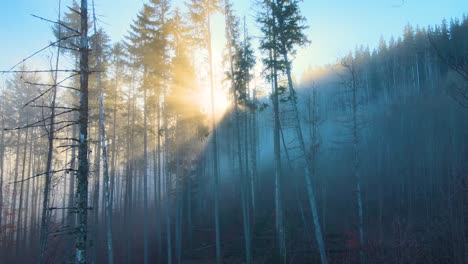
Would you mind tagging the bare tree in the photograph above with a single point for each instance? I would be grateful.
(50, 151)
(350, 67)
(108, 209)
(83, 169)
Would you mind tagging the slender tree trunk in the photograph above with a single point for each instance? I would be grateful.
(253, 137)
(82, 188)
(189, 213)
(71, 216)
(102, 126)
(156, 201)
(248, 176)
(128, 187)
(308, 174)
(129, 196)
(2, 161)
(114, 144)
(145, 176)
(108, 209)
(28, 184)
(277, 154)
(418, 84)
(215, 149)
(244, 180)
(15, 184)
(168, 189)
(48, 174)
(178, 193)
(34, 200)
(159, 189)
(50, 152)
(357, 175)
(20, 207)
(278, 173)
(95, 197)
(64, 188)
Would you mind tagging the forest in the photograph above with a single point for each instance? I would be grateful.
(135, 151)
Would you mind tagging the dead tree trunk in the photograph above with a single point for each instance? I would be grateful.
(2, 160)
(82, 177)
(50, 152)
(107, 202)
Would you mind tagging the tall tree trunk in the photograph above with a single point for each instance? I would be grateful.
(2, 161)
(308, 175)
(357, 175)
(253, 137)
(95, 240)
(129, 172)
(189, 212)
(20, 207)
(114, 144)
(15, 184)
(278, 174)
(145, 175)
(244, 179)
(178, 193)
(168, 189)
(24, 239)
(50, 152)
(107, 201)
(158, 182)
(71, 216)
(34, 199)
(64, 187)
(277, 153)
(215, 148)
(82, 187)
(108, 208)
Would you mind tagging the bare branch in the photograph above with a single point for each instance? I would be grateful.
(58, 23)
(46, 91)
(41, 174)
(39, 71)
(39, 51)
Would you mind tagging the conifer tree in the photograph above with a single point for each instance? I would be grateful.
(284, 32)
(273, 64)
(200, 14)
(241, 63)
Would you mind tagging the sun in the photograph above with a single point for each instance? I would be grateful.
(221, 102)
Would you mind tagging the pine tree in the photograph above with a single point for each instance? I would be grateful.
(242, 61)
(273, 65)
(200, 14)
(284, 32)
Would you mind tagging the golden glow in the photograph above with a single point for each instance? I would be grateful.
(221, 102)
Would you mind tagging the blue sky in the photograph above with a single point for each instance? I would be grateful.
(335, 26)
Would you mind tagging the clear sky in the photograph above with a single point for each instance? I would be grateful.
(336, 26)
